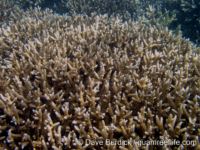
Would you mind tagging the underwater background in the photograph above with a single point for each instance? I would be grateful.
(177, 15)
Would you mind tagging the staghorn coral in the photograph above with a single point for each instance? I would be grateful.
(128, 9)
(69, 78)
(8, 11)
(110, 7)
(155, 17)
(12, 9)
(188, 6)
(154, 12)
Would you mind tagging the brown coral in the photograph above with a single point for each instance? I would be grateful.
(8, 10)
(69, 78)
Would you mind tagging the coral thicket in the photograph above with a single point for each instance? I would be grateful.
(65, 79)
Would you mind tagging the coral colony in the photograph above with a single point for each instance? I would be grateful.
(79, 82)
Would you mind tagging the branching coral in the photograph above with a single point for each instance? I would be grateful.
(127, 9)
(7, 11)
(69, 78)
(13, 9)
